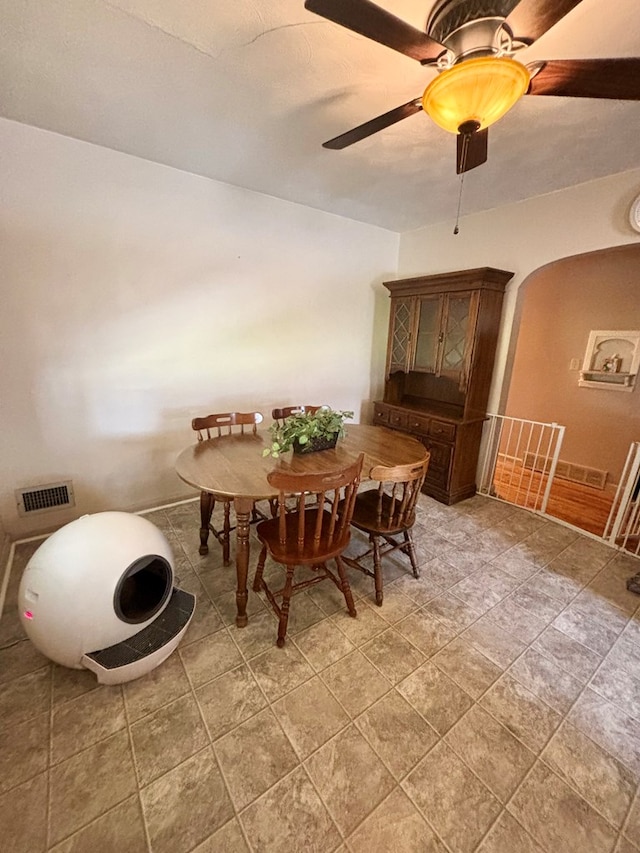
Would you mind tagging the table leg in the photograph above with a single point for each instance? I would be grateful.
(206, 510)
(243, 508)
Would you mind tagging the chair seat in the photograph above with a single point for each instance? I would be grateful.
(290, 553)
(367, 515)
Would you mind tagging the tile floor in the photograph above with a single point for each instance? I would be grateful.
(491, 706)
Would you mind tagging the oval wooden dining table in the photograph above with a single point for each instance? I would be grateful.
(233, 466)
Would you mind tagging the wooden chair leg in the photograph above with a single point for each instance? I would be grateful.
(345, 588)
(411, 551)
(207, 504)
(257, 580)
(377, 569)
(284, 609)
(226, 534)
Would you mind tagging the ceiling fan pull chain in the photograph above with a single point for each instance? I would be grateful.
(456, 229)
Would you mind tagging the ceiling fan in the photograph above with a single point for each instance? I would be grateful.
(473, 45)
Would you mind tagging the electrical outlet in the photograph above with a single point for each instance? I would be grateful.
(574, 364)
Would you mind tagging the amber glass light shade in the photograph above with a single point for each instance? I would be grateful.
(481, 90)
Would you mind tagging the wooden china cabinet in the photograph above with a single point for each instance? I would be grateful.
(443, 333)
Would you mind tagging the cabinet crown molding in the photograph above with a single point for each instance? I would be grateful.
(483, 278)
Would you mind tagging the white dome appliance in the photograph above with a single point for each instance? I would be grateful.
(99, 594)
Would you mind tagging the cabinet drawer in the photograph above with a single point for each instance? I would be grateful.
(380, 414)
(418, 424)
(397, 419)
(440, 429)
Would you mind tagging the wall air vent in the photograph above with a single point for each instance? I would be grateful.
(44, 498)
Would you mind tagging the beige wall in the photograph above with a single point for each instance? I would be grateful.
(135, 296)
(561, 304)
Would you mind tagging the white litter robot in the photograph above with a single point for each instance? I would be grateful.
(99, 594)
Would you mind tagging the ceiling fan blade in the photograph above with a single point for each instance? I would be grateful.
(589, 78)
(373, 126)
(369, 20)
(532, 18)
(472, 147)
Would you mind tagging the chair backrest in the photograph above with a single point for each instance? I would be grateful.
(321, 528)
(398, 491)
(223, 423)
(280, 414)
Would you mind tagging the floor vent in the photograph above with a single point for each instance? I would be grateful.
(45, 498)
(568, 471)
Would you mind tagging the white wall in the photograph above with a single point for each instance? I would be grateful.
(135, 296)
(522, 238)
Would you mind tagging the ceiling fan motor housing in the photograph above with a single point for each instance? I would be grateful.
(471, 28)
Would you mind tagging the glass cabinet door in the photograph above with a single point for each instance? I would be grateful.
(426, 353)
(400, 341)
(456, 327)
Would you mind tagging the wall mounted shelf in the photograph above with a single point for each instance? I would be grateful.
(611, 360)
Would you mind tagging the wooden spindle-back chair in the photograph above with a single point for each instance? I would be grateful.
(308, 535)
(385, 513)
(279, 415)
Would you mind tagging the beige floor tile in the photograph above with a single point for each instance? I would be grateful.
(323, 644)
(625, 846)
(454, 801)
(425, 632)
(609, 727)
(166, 738)
(396, 825)
(209, 657)
(229, 700)
(23, 817)
(85, 720)
(117, 831)
(278, 671)
(205, 621)
(584, 630)
(155, 689)
(187, 805)
(393, 655)
(398, 734)
(258, 636)
(475, 594)
(349, 777)
(625, 654)
(291, 817)
(632, 826)
(595, 606)
(507, 836)
(20, 659)
(228, 839)
(576, 659)
(531, 598)
(450, 570)
(226, 606)
(603, 781)
(71, 683)
(521, 711)
(24, 751)
(254, 756)
(542, 676)
(619, 686)
(500, 647)
(90, 783)
(364, 627)
(491, 751)
(468, 667)
(421, 590)
(452, 611)
(434, 695)
(396, 605)
(515, 620)
(310, 716)
(25, 697)
(355, 682)
(557, 817)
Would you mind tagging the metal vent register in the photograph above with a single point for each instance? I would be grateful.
(44, 498)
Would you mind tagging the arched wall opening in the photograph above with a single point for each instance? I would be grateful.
(558, 306)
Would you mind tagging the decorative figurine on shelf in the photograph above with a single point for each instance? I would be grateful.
(612, 365)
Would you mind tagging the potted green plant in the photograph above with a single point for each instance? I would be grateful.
(306, 432)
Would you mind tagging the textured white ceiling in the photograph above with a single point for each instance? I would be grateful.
(246, 92)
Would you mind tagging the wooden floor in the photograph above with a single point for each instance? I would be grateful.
(582, 506)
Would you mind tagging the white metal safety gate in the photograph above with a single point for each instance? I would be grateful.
(519, 459)
(623, 525)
